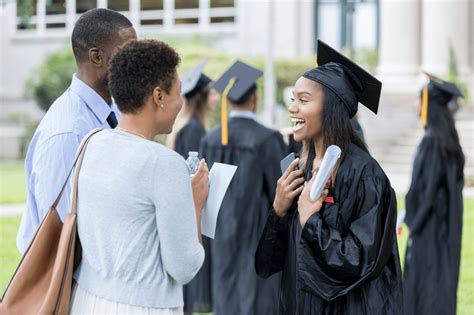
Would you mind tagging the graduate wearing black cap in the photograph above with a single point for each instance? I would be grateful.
(195, 88)
(256, 150)
(434, 207)
(337, 255)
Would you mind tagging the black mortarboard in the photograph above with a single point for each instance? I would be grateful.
(443, 86)
(245, 77)
(347, 80)
(194, 79)
(440, 92)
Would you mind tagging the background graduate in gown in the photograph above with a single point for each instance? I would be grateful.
(338, 255)
(193, 118)
(196, 90)
(434, 208)
(257, 152)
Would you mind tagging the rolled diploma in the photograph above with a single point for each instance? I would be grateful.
(333, 153)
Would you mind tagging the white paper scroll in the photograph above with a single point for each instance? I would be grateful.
(333, 153)
(220, 176)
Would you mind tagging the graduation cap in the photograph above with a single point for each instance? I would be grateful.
(194, 79)
(235, 84)
(444, 86)
(347, 80)
(437, 89)
(245, 77)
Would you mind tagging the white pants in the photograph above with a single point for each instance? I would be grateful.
(82, 302)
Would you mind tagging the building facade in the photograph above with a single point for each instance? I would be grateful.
(409, 35)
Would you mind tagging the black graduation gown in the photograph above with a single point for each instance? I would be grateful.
(257, 152)
(357, 128)
(189, 137)
(345, 260)
(434, 215)
(197, 293)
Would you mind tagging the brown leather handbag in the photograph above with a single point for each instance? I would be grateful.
(42, 282)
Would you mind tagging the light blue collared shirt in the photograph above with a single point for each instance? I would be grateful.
(243, 114)
(52, 151)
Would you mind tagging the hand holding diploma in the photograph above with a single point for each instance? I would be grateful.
(314, 192)
(333, 153)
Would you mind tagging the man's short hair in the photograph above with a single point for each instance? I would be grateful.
(96, 28)
(137, 68)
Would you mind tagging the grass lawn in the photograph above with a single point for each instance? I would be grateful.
(12, 182)
(9, 256)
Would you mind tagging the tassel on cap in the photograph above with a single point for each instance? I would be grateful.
(424, 107)
(224, 110)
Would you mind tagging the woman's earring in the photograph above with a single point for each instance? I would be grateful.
(161, 105)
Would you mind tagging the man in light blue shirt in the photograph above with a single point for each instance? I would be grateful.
(85, 105)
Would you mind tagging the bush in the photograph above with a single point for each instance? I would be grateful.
(52, 78)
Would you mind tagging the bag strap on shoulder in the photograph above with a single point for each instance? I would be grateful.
(77, 165)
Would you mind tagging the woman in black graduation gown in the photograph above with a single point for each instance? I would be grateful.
(434, 208)
(196, 89)
(338, 255)
(196, 92)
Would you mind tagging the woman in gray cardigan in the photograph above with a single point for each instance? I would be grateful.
(139, 212)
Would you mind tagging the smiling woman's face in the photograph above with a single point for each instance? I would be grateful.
(306, 110)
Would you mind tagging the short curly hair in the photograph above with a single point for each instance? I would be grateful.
(137, 68)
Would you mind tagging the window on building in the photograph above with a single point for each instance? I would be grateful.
(186, 17)
(186, 4)
(222, 19)
(54, 8)
(222, 3)
(25, 9)
(350, 24)
(85, 5)
(118, 5)
(146, 5)
(151, 12)
(219, 16)
(186, 21)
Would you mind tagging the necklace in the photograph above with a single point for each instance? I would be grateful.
(133, 133)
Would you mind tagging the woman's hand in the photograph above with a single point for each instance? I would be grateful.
(288, 187)
(200, 185)
(306, 207)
